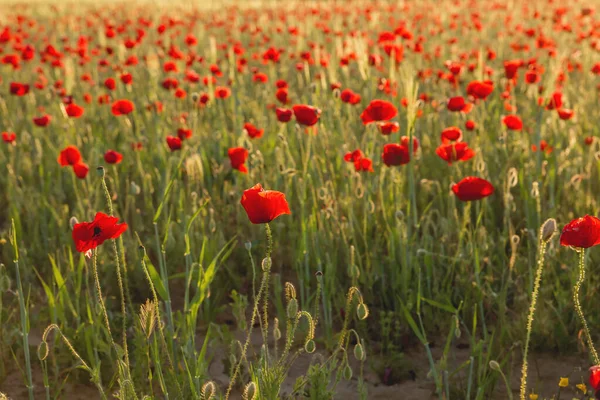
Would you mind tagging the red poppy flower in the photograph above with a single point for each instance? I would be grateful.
(348, 96)
(404, 140)
(555, 101)
(480, 89)
(458, 103)
(470, 125)
(89, 235)
(353, 156)
(363, 164)
(113, 157)
(378, 110)
(222, 92)
(42, 121)
(122, 107)
(511, 67)
(126, 78)
(180, 93)
(472, 188)
(451, 134)
(19, 89)
(174, 143)
(395, 154)
(283, 114)
(74, 111)
(70, 155)
(9, 137)
(581, 233)
(565, 114)
(455, 152)
(81, 169)
(253, 131)
(387, 128)
(282, 95)
(306, 115)
(183, 133)
(260, 77)
(595, 378)
(589, 140)
(263, 206)
(110, 84)
(513, 122)
(238, 157)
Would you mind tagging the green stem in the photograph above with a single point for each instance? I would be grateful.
(24, 316)
(577, 305)
(534, 298)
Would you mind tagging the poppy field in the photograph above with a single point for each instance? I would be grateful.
(287, 200)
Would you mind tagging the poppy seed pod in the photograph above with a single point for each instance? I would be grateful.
(73, 221)
(100, 171)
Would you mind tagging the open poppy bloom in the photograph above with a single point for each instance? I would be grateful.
(451, 134)
(122, 107)
(470, 125)
(74, 111)
(19, 89)
(512, 122)
(89, 235)
(480, 89)
(81, 169)
(253, 131)
(565, 113)
(395, 154)
(184, 134)
(348, 96)
(263, 206)
(595, 378)
(378, 110)
(70, 155)
(174, 143)
(113, 157)
(283, 114)
(389, 127)
(581, 233)
(238, 157)
(42, 121)
(9, 137)
(459, 104)
(306, 115)
(455, 152)
(472, 188)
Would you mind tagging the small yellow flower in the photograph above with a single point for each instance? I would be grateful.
(582, 387)
(533, 396)
(564, 382)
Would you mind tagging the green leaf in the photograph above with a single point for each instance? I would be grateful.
(158, 284)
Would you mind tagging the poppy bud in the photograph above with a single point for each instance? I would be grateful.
(100, 171)
(208, 391)
(319, 276)
(310, 346)
(142, 251)
(292, 308)
(362, 311)
(134, 189)
(249, 391)
(248, 246)
(195, 97)
(266, 264)
(495, 366)
(73, 221)
(548, 229)
(359, 352)
(42, 350)
(347, 372)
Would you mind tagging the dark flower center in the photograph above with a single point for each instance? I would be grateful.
(97, 231)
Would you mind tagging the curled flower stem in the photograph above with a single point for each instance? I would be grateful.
(577, 305)
(534, 298)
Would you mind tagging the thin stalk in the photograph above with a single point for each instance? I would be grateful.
(24, 315)
(577, 305)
